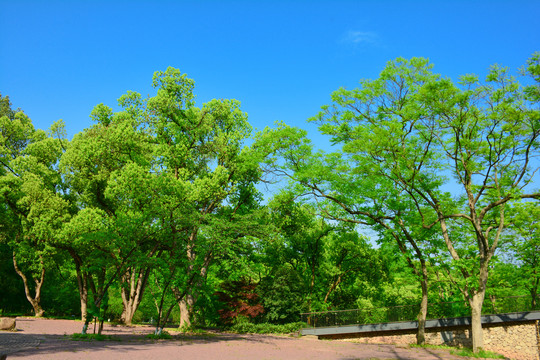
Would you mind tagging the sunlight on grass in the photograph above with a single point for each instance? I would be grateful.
(163, 335)
(483, 354)
(90, 337)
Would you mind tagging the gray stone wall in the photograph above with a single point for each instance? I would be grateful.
(518, 341)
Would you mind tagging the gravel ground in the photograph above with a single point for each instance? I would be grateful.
(49, 339)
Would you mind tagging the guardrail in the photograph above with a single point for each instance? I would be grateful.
(443, 310)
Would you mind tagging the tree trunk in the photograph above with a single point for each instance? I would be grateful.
(132, 292)
(186, 301)
(188, 298)
(422, 314)
(534, 294)
(493, 301)
(38, 310)
(36, 300)
(100, 328)
(186, 312)
(477, 335)
(87, 319)
(83, 295)
(476, 300)
(82, 285)
(162, 321)
(332, 288)
(127, 313)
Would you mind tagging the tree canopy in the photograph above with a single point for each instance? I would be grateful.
(157, 210)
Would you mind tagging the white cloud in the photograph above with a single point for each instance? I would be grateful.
(361, 37)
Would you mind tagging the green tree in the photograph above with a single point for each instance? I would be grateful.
(200, 153)
(299, 241)
(424, 134)
(335, 264)
(33, 196)
(182, 168)
(131, 188)
(526, 247)
(6, 108)
(352, 192)
(104, 238)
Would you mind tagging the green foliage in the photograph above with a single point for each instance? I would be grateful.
(481, 354)
(13, 299)
(401, 142)
(466, 352)
(91, 337)
(243, 326)
(6, 109)
(158, 202)
(281, 295)
(61, 301)
(33, 206)
(164, 335)
(335, 264)
(525, 245)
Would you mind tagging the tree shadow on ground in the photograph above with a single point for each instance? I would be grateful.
(392, 352)
(18, 343)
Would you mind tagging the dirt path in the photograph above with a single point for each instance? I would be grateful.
(49, 339)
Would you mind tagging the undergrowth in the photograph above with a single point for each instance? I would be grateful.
(265, 328)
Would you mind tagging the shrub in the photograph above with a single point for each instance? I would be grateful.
(239, 299)
(243, 326)
(282, 295)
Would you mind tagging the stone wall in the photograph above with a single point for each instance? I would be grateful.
(517, 341)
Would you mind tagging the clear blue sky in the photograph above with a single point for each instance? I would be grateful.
(281, 59)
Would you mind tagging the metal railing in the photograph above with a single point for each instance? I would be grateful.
(377, 315)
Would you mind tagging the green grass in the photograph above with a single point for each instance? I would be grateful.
(90, 337)
(427, 346)
(484, 354)
(163, 335)
(466, 352)
(200, 333)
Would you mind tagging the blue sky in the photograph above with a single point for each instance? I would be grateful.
(280, 59)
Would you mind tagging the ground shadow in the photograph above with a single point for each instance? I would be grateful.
(18, 343)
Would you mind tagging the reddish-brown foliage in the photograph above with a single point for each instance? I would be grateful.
(238, 298)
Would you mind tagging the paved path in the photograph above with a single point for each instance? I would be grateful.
(49, 339)
(12, 342)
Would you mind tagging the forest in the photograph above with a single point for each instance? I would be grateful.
(165, 212)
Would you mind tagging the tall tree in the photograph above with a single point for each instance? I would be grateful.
(33, 196)
(103, 237)
(425, 134)
(200, 153)
(180, 168)
(352, 191)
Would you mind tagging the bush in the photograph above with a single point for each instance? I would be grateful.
(282, 295)
(238, 298)
(243, 326)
